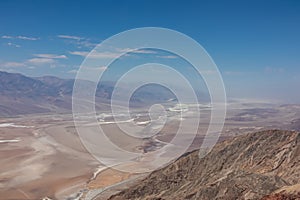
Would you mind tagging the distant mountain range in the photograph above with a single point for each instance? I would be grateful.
(262, 165)
(20, 94)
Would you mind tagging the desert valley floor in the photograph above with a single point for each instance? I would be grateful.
(42, 155)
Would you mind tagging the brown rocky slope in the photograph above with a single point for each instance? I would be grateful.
(251, 166)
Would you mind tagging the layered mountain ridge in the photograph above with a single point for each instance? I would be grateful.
(20, 94)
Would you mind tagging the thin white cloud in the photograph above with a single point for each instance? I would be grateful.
(73, 71)
(51, 56)
(7, 37)
(13, 64)
(95, 54)
(26, 38)
(103, 68)
(86, 43)
(13, 45)
(43, 59)
(40, 61)
(104, 55)
(145, 51)
(79, 53)
(72, 37)
(19, 37)
(113, 54)
(80, 42)
(141, 51)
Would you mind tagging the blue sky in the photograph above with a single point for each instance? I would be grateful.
(255, 44)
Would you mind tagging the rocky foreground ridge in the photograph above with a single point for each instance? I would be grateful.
(263, 165)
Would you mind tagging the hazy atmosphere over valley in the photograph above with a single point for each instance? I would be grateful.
(149, 100)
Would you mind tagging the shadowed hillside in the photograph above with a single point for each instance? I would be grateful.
(20, 94)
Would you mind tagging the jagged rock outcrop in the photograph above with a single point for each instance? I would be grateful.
(246, 167)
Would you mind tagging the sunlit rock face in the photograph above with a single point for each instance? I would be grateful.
(246, 167)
